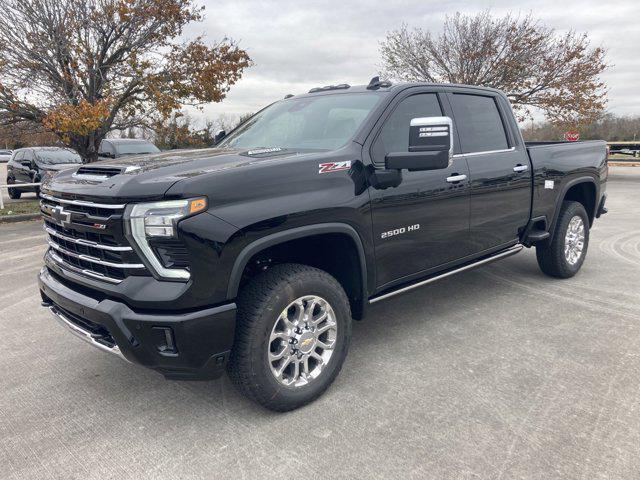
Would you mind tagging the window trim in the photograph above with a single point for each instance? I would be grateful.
(505, 126)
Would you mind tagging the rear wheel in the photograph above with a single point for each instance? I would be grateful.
(292, 336)
(564, 255)
(14, 193)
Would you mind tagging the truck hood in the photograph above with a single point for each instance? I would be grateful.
(150, 176)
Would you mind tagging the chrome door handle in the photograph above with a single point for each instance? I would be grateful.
(520, 168)
(456, 178)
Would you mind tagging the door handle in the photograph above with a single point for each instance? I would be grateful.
(456, 178)
(520, 168)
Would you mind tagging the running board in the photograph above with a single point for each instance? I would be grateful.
(503, 254)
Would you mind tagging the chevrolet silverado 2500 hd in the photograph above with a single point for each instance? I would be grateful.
(256, 255)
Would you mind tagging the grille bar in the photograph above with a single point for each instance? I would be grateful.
(91, 259)
(90, 273)
(82, 203)
(86, 243)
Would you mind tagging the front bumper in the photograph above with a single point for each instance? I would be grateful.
(202, 339)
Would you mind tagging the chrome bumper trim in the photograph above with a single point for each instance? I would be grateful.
(84, 334)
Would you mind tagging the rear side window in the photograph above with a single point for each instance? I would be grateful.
(479, 123)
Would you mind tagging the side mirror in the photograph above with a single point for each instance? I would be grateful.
(220, 134)
(430, 146)
(25, 163)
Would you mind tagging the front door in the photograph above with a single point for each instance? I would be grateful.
(22, 168)
(423, 222)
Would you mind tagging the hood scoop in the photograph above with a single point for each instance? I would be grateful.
(102, 172)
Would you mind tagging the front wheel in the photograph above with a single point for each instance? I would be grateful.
(564, 255)
(14, 193)
(292, 336)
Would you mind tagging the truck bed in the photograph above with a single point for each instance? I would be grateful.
(556, 166)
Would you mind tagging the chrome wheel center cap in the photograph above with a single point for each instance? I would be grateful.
(306, 341)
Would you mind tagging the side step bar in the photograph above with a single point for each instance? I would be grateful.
(503, 254)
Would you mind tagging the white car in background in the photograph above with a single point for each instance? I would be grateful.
(5, 156)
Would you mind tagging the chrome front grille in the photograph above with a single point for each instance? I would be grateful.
(88, 238)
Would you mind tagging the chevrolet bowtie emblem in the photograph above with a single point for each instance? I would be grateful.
(60, 216)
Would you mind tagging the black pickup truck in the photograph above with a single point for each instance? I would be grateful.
(256, 255)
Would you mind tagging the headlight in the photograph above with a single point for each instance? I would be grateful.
(160, 219)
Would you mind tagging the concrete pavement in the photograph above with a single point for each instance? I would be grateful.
(497, 373)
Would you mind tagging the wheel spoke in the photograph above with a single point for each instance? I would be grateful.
(273, 356)
(279, 335)
(328, 345)
(283, 367)
(305, 365)
(318, 357)
(325, 327)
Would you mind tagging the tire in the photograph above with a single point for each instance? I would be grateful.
(265, 306)
(14, 193)
(552, 258)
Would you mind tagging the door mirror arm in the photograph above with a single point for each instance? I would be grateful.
(381, 179)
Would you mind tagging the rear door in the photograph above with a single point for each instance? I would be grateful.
(499, 169)
(424, 221)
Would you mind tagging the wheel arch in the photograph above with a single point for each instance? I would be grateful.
(356, 288)
(583, 190)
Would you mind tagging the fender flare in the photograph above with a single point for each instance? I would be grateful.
(293, 234)
(566, 187)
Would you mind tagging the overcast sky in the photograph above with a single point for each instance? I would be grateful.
(297, 45)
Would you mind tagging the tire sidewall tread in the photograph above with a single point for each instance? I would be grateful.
(551, 258)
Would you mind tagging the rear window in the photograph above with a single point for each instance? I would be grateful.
(136, 148)
(480, 126)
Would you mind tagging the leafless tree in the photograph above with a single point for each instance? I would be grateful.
(535, 65)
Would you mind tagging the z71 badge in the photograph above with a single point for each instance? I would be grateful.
(334, 166)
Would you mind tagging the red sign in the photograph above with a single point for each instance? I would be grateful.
(572, 136)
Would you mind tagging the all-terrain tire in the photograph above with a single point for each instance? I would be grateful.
(260, 306)
(552, 256)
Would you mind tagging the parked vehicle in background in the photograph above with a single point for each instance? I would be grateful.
(5, 156)
(124, 147)
(33, 164)
(257, 254)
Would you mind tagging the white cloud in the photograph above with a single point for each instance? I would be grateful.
(297, 45)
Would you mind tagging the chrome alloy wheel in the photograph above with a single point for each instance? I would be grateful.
(574, 240)
(302, 341)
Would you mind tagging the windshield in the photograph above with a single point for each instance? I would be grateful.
(135, 148)
(325, 122)
(52, 157)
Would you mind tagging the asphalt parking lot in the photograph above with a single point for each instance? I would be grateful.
(497, 373)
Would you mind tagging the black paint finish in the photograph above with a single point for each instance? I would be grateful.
(255, 201)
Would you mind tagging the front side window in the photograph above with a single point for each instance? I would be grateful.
(479, 123)
(323, 122)
(394, 136)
